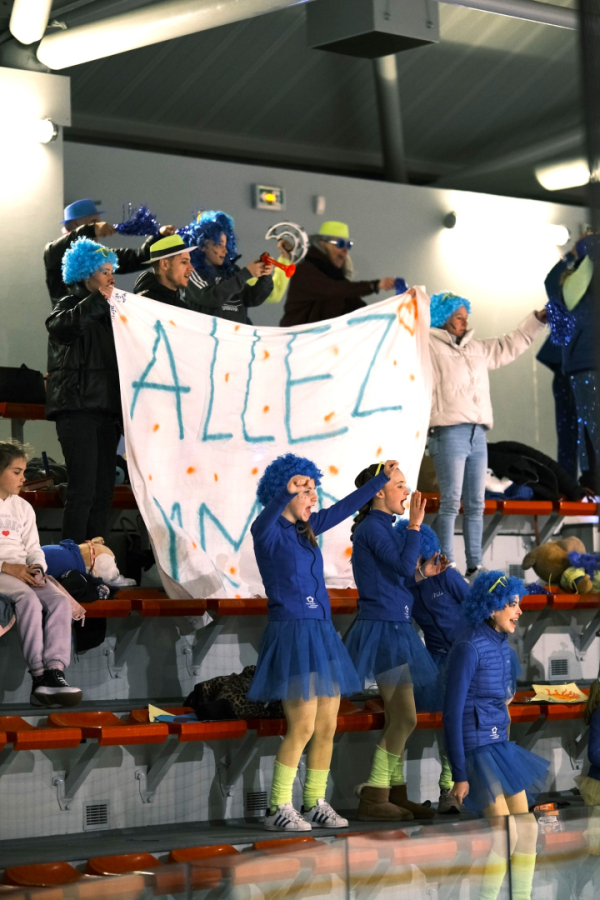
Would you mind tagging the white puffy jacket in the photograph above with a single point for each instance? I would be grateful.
(461, 384)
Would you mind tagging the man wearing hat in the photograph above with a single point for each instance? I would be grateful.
(170, 272)
(321, 288)
(82, 219)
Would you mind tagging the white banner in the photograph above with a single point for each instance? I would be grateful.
(208, 404)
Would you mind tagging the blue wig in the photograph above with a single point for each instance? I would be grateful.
(277, 474)
(83, 258)
(445, 305)
(209, 226)
(429, 542)
(491, 591)
(589, 562)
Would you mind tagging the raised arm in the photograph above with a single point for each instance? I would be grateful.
(460, 669)
(384, 548)
(503, 350)
(329, 518)
(263, 527)
(200, 293)
(69, 320)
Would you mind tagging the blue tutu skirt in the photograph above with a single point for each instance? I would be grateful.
(392, 653)
(300, 659)
(503, 768)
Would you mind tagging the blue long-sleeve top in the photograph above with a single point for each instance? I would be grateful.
(437, 609)
(478, 684)
(579, 354)
(383, 568)
(290, 567)
(594, 746)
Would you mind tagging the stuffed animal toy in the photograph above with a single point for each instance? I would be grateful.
(583, 574)
(551, 560)
(90, 558)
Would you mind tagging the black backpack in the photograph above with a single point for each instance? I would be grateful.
(86, 589)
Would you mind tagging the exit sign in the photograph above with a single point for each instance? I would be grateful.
(266, 197)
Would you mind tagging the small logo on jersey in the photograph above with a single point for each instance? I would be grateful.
(494, 735)
(6, 533)
(310, 602)
(437, 594)
(407, 612)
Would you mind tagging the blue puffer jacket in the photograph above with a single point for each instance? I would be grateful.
(579, 354)
(594, 746)
(478, 684)
(437, 610)
(384, 568)
(291, 568)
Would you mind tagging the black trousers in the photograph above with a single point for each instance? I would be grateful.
(89, 444)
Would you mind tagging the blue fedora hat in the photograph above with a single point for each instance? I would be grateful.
(79, 209)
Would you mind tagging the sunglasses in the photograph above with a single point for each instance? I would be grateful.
(341, 244)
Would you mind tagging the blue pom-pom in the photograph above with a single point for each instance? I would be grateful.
(83, 258)
(445, 305)
(141, 222)
(400, 285)
(278, 473)
(488, 594)
(429, 542)
(589, 562)
(561, 322)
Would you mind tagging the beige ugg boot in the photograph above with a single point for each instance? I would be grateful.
(375, 806)
(399, 797)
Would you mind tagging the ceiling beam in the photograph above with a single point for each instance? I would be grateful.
(529, 10)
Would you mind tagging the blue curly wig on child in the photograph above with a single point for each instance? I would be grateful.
(429, 542)
(491, 591)
(83, 258)
(277, 474)
(209, 226)
(445, 305)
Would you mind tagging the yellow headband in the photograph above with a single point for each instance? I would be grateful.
(502, 580)
(378, 470)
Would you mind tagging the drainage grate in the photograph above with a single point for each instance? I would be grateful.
(256, 802)
(559, 668)
(95, 816)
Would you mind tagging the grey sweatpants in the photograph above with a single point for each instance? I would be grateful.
(43, 622)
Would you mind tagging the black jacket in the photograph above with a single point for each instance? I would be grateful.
(148, 285)
(130, 259)
(525, 465)
(82, 361)
(227, 296)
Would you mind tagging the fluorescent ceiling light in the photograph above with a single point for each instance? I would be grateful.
(29, 19)
(560, 176)
(557, 234)
(42, 131)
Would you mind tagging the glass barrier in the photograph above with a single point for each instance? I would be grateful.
(553, 854)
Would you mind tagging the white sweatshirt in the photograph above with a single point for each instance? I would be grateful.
(19, 538)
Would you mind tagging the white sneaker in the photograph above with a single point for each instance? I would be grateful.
(324, 816)
(448, 804)
(470, 576)
(286, 818)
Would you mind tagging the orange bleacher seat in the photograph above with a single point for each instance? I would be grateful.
(122, 864)
(108, 729)
(118, 608)
(190, 854)
(123, 887)
(574, 508)
(561, 711)
(24, 736)
(525, 507)
(531, 602)
(574, 601)
(164, 606)
(250, 868)
(566, 844)
(42, 875)
(282, 845)
(195, 731)
(32, 411)
(253, 606)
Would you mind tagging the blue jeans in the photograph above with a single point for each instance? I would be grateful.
(459, 453)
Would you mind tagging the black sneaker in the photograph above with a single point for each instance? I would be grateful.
(52, 689)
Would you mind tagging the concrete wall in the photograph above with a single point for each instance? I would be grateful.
(497, 256)
(31, 200)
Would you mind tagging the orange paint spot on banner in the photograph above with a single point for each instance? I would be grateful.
(379, 449)
(227, 376)
(254, 471)
(348, 552)
(156, 427)
(329, 416)
(232, 570)
(266, 408)
(266, 354)
(412, 377)
(408, 313)
(194, 545)
(190, 470)
(395, 363)
(237, 328)
(216, 477)
(336, 350)
(333, 470)
(171, 322)
(417, 434)
(123, 318)
(149, 477)
(238, 596)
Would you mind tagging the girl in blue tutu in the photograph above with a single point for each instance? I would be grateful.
(301, 660)
(382, 642)
(492, 775)
(437, 611)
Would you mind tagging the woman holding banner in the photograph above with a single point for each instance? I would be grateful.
(302, 660)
